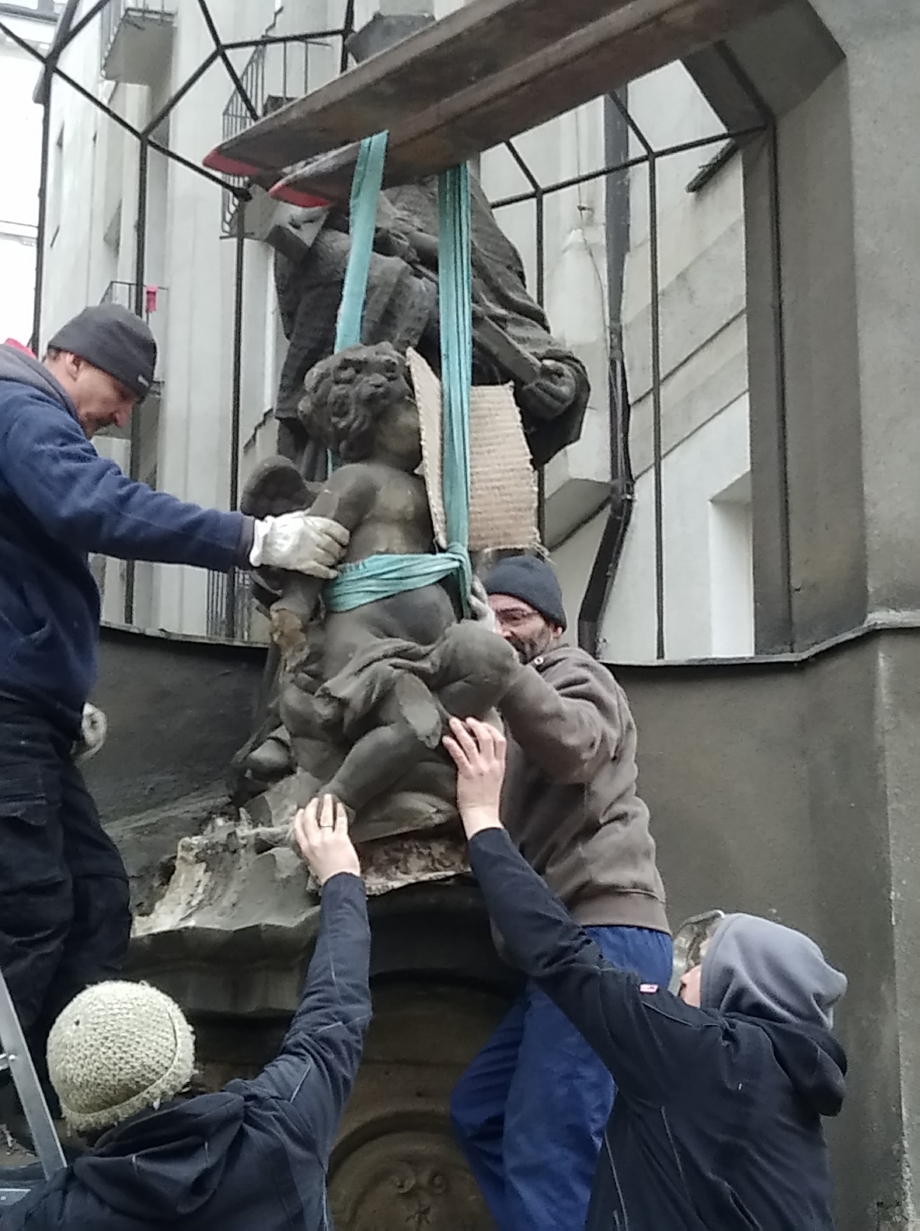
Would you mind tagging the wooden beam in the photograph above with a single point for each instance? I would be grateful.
(470, 45)
(623, 44)
(485, 52)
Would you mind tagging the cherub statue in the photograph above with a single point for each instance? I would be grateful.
(364, 693)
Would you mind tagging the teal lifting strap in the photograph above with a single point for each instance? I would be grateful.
(382, 576)
(365, 189)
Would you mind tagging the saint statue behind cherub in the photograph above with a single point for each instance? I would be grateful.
(364, 693)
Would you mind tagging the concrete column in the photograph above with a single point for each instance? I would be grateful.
(845, 193)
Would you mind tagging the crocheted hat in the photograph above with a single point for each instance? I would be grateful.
(118, 1048)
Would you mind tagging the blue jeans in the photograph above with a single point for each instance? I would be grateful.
(530, 1111)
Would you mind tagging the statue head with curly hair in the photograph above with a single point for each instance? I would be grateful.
(360, 404)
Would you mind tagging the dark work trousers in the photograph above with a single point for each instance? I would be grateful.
(531, 1109)
(64, 914)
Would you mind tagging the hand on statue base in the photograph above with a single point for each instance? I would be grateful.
(321, 833)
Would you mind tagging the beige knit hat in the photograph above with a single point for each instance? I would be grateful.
(118, 1048)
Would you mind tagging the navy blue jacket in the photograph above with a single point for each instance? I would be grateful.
(60, 500)
(252, 1157)
(717, 1120)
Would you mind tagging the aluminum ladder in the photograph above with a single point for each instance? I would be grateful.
(15, 1057)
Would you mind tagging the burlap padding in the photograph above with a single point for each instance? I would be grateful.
(503, 489)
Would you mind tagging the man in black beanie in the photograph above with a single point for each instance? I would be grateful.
(531, 1109)
(64, 918)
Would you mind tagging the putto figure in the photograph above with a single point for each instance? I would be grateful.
(367, 682)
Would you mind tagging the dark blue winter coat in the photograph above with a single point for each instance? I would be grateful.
(717, 1120)
(252, 1157)
(60, 500)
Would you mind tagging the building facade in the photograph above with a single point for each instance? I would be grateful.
(20, 153)
(590, 266)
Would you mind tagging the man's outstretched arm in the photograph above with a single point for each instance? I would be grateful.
(644, 1037)
(85, 501)
(319, 1057)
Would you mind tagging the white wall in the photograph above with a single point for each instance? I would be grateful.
(704, 418)
(20, 156)
(575, 271)
(694, 475)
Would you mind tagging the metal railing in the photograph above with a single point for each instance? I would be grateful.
(230, 606)
(276, 73)
(647, 161)
(117, 10)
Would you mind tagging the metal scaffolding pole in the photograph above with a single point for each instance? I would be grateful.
(236, 397)
(42, 220)
(140, 262)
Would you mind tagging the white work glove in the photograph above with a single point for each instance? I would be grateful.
(480, 610)
(93, 730)
(300, 542)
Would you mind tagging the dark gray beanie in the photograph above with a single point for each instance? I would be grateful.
(531, 580)
(111, 338)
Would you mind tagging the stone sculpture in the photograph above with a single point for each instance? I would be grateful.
(356, 691)
(511, 337)
(362, 695)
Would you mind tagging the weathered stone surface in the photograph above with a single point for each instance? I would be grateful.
(148, 840)
(396, 1164)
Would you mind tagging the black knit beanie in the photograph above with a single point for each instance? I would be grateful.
(111, 338)
(531, 580)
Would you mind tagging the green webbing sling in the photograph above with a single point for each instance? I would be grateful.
(382, 576)
(365, 189)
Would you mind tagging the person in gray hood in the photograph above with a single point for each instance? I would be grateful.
(721, 1090)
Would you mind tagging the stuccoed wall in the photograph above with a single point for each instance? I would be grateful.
(767, 788)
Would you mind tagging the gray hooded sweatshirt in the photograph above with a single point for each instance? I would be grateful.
(762, 969)
(717, 1123)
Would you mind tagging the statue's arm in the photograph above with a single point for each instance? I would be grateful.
(347, 496)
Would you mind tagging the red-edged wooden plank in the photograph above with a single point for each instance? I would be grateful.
(475, 44)
(596, 59)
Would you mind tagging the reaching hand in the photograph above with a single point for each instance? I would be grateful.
(478, 751)
(321, 832)
(300, 542)
(482, 613)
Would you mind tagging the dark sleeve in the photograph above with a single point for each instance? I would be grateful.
(319, 1057)
(569, 727)
(85, 501)
(646, 1039)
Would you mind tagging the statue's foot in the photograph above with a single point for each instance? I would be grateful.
(332, 788)
(272, 759)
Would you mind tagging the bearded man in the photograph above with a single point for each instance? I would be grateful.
(530, 1110)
